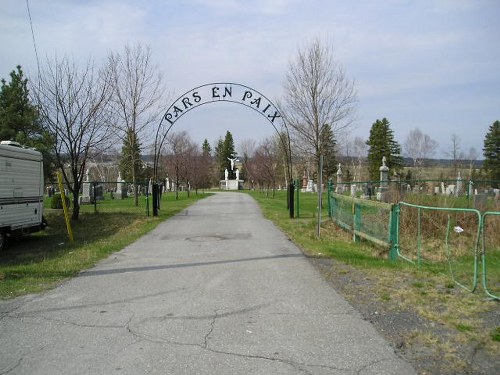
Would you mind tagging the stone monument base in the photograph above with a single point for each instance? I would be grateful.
(231, 184)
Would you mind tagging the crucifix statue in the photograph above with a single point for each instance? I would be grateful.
(232, 162)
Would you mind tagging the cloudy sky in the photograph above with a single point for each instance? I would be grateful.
(427, 64)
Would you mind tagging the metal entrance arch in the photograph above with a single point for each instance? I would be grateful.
(225, 92)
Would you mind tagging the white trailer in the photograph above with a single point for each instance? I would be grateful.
(21, 191)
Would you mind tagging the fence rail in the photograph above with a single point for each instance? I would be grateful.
(451, 240)
(105, 196)
(477, 194)
(490, 254)
(440, 235)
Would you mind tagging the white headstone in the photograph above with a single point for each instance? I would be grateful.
(310, 186)
(458, 190)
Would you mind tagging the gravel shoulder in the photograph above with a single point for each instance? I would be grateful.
(431, 346)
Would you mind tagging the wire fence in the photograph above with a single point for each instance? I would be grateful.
(445, 238)
(370, 220)
(103, 196)
(482, 195)
(490, 252)
(446, 235)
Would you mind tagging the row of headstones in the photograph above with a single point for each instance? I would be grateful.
(368, 190)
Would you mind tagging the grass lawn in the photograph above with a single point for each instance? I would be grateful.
(37, 262)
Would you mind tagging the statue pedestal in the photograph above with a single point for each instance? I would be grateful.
(231, 184)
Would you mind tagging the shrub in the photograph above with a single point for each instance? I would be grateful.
(56, 201)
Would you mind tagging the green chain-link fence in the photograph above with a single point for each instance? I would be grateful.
(490, 253)
(447, 239)
(457, 193)
(444, 238)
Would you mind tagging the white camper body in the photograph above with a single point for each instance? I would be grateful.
(21, 190)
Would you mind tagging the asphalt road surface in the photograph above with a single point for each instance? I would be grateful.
(217, 289)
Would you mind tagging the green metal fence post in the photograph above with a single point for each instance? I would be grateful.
(393, 232)
(147, 199)
(495, 294)
(357, 221)
(330, 199)
(298, 199)
(94, 184)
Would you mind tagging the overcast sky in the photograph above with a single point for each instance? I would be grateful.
(427, 64)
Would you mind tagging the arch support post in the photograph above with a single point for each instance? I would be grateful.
(156, 200)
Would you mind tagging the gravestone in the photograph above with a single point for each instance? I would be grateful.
(85, 198)
(339, 189)
(480, 201)
(310, 186)
(450, 190)
(459, 187)
(96, 193)
(121, 193)
(384, 181)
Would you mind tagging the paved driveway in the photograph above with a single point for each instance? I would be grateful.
(215, 290)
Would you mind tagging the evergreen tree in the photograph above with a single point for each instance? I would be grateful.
(224, 150)
(19, 119)
(206, 167)
(382, 143)
(491, 152)
(131, 156)
(206, 149)
(328, 147)
(219, 159)
(17, 114)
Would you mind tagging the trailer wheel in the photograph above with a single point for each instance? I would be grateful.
(2, 239)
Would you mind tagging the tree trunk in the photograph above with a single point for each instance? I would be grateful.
(76, 204)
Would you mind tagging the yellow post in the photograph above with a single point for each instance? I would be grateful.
(65, 208)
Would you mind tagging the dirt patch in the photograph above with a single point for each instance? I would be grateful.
(425, 333)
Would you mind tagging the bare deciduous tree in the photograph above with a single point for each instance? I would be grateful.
(419, 147)
(455, 152)
(266, 163)
(247, 148)
(317, 93)
(137, 92)
(73, 108)
(359, 152)
(181, 155)
(471, 158)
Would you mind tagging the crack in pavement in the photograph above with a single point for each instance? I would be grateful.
(204, 345)
(20, 360)
(6, 371)
(301, 367)
(99, 304)
(212, 326)
(80, 325)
